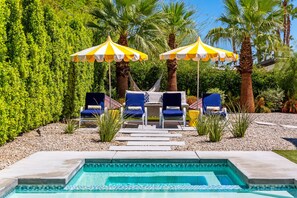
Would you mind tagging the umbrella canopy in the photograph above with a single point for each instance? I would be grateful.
(199, 51)
(108, 52)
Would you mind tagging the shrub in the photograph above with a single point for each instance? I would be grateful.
(215, 127)
(273, 98)
(108, 125)
(121, 100)
(260, 106)
(191, 99)
(71, 126)
(201, 126)
(290, 106)
(240, 123)
(217, 90)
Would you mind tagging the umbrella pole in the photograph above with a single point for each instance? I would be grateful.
(198, 62)
(109, 85)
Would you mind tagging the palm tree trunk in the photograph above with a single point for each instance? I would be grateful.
(172, 66)
(233, 45)
(288, 30)
(122, 70)
(246, 68)
(285, 3)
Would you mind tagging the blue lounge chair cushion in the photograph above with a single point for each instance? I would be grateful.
(136, 99)
(92, 112)
(172, 113)
(171, 99)
(95, 99)
(133, 113)
(212, 99)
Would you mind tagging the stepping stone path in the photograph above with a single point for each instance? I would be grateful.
(289, 126)
(265, 123)
(150, 139)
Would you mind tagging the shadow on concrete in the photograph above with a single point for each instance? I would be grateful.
(292, 140)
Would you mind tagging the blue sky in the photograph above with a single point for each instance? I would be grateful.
(209, 10)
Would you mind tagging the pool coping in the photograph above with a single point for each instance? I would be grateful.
(58, 167)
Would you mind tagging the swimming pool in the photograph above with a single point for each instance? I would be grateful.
(147, 179)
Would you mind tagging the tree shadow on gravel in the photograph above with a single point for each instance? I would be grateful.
(292, 140)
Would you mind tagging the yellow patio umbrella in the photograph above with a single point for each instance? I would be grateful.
(199, 51)
(108, 52)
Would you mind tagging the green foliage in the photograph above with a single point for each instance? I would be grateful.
(191, 99)
(290, 106)
(240, 122)
(202, 126)
(71, 126)
(215, 126)
(273, 98)
(260, 106)
(109, 124)
(263, 80)
(36, 86)
(286, 73)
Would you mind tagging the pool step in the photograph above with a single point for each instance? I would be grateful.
(143, 131)
(142, 139)
(155, 135)
(150, 143)
(139, 148)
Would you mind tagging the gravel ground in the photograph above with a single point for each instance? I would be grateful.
(52, 138)
(258, 137)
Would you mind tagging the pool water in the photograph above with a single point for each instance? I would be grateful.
(153, 180)
(133, 175)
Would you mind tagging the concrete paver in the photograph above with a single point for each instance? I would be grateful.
(57, 166)
(144, 131)
(259, 167)
(6, 185)
(155, 135)
(289, 126)
(265, 123)
(139, 148)
(142, 139)
(171, 143)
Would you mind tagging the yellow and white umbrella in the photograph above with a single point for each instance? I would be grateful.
(108, 52)
(199, 51)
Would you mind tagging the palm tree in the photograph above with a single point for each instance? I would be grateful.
(288, 12)
(178, 24)
(136, 20)
(250, 19)
(228, 34)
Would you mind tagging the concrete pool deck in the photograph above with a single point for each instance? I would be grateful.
(58, 167)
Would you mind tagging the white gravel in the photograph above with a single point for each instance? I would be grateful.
(258, 137)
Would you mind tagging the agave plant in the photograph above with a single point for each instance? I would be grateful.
(108, 125)
(216, 128)
(202, 126)
(71, 126)
(241, 122)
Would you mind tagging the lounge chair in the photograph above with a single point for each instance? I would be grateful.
(94, 106)
(172, 110)
(134, 108)
(211, 105)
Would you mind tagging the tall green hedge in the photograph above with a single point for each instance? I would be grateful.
(38, 82)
